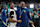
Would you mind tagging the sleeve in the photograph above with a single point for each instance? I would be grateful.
(9, 12)
(2, 14)
(15, 15)
(38, 12)
(29, 15)
(17, 11)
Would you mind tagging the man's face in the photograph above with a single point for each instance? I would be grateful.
(22, 4)
(11, 5)
(5, 7)
(39, 4)
(37, 9)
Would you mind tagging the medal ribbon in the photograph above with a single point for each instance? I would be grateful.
(21, 11)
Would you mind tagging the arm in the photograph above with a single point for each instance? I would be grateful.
(36, 13)
(3, 14)
(30, 20)
(12, 20)
(32, 14)
(29, 16)
(4, 23)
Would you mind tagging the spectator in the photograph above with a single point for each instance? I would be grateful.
(36, 16)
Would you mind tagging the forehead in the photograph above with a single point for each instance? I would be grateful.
(5, 6)
(12, 4)
(22, 2)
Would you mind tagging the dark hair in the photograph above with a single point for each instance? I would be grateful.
(34, 10)
(10, 3)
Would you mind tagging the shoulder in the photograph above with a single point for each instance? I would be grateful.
(2, 10)
(26, 9)
(11, 9)
(18, 9)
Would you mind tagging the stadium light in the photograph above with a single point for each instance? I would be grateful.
(31, 6)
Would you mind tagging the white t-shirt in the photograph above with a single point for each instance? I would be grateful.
(12, 14)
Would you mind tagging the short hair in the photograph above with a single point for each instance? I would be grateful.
(22, 2)
(11, 3)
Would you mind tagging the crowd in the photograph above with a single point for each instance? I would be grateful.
(34, 12)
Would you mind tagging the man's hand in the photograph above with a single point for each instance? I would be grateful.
(19, 21)
(31, 21)
(4, 23)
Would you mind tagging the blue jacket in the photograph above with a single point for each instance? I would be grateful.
(24, 17)
(3, 16)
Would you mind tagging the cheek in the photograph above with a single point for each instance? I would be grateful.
(37, 9)
(5, 7)
(22, 5)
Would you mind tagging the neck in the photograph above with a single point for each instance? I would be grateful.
(22, 7)
(12, 8)
(5, 9)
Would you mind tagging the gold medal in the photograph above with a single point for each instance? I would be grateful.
(19, 16)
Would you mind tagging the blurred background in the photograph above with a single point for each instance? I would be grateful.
(32, 5)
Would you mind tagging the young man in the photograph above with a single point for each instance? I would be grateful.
(35, 16)
(23, 14)
(4, 16)
(12, 17)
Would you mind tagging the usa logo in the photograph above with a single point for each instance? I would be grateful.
(24, 10)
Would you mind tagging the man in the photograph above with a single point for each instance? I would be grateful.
(39, 13)
(12, 17)
(38, 6)
(36, 17)
(4, 16)
(0, 16)
(23, 14)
